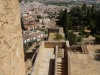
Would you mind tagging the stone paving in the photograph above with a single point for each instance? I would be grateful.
(46, 60)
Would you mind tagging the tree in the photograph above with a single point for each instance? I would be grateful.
(93, 27)
(61, 18)
(84, 8)
(98, 38)
(79, 38)
(97, 21)
(72, 38)
(75, 23)
(64, 22)
(65, 25)
(76, 17)
(92, 8)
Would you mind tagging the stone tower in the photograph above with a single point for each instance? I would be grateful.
(11, 46)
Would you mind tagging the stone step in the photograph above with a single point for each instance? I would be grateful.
(63, 60)
(62, 63)
(61, 70)
(61, 73)
(60, 55)
(61, 67)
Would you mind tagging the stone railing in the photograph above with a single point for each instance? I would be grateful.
(55, 70)
(69, 70)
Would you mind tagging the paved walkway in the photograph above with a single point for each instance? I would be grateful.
(47, 62)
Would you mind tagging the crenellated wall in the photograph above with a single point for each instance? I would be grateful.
(11, 46)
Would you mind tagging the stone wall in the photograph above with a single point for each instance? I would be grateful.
(11, 46)
(37, 63)
(53, 30)
(53, 44)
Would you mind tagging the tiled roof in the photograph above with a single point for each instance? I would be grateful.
(29, 24)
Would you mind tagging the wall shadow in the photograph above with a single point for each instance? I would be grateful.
(51, 67)
(97, 55)
(97, 51)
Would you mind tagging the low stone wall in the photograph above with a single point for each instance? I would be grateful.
(55, 70)
(52, 30)
(67, 55)
(54, 44)
(38, 60)
(68, 59)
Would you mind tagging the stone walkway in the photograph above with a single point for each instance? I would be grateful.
(47, 62)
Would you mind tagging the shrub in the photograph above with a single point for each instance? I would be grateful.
(46, 32)
(39, 16)
(58, 37)
(72, 38)
(98, 38)
(82, 33)
(79, 38)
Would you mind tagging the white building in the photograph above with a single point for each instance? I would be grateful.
(31, 36)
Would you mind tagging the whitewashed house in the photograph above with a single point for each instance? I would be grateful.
(32, 36)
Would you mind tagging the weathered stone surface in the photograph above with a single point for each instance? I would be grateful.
(11, 47)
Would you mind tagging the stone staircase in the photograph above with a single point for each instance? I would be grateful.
(62, 67)
(60, 54)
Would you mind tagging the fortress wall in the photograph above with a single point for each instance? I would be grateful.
(11, 46)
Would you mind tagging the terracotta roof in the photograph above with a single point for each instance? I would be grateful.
(29, 24)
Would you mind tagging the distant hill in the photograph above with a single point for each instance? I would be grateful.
(48, 0)
(64, 0)
(57, 0)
